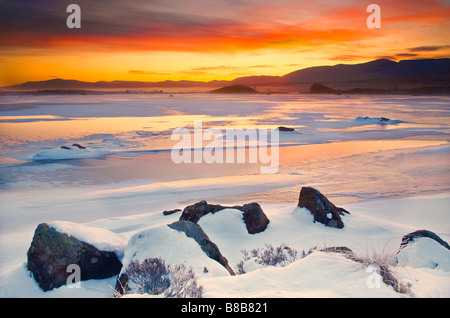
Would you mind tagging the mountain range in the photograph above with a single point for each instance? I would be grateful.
(381, 73)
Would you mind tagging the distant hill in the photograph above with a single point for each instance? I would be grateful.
(377, 74)
(377, 69)
(63, 84)
(52, 84)
(235, 89)
(255, 80)
(317, 88)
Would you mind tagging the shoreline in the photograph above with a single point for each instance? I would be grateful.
(421, 91)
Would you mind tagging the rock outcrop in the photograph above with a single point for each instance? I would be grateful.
(195, 211)
(321, 208)
(254, 218)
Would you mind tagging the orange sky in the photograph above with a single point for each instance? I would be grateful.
(143, 40)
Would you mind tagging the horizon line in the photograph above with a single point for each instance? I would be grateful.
(215, 80)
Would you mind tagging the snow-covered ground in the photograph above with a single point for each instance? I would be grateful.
(392, 176)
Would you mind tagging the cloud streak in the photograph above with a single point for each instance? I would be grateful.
(429, 48)
(193, 25)
(194, 39)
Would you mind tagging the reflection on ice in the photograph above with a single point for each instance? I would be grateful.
(127, 139)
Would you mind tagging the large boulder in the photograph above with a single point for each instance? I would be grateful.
(321, 208)
(51, 252)
(254, 218)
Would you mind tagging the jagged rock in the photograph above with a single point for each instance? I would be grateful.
(321, 208)
(195, 231)
(254, 218)
(51, 252)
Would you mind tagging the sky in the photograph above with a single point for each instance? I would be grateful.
(205, 40)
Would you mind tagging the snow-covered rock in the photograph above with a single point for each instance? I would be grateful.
(172, 246)
(54, 252)
(103, 240)
(424, 252)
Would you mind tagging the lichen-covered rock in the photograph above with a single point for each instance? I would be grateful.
(51, 252)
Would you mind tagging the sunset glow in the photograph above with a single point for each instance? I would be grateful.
(210, 40)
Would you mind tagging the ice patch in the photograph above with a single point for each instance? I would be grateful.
(70, 152)
(7, 161)
(47, 168)
(434, 151)
(377, 120)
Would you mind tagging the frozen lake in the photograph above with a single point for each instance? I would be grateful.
(129, 142)
(126, 177)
